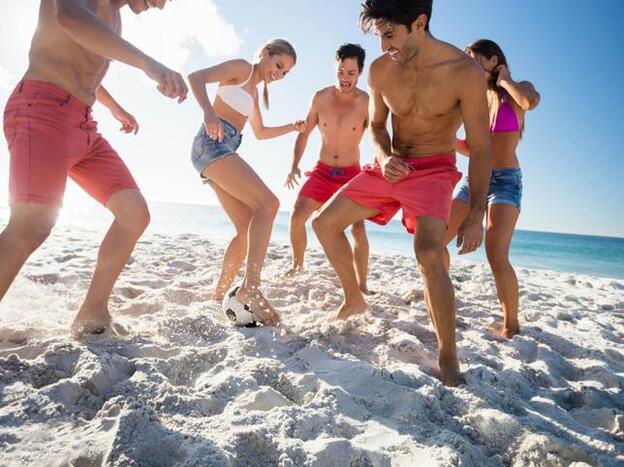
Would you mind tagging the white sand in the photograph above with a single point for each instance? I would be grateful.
(186, 388)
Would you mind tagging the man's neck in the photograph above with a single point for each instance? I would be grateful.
(421, 57)
(345, 95)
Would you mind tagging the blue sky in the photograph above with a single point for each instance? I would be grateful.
(574, 56)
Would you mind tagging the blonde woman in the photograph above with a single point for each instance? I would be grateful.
(248, 202)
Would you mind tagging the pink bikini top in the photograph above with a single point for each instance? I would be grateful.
(506, 118)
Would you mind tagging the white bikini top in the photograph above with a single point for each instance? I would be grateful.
(236, 97)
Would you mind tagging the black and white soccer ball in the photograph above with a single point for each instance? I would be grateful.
(238, 313)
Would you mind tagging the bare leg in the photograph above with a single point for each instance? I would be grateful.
(501, 223)
(131, 219)
(304, 207)
(240, 214)
(459, 212)
(239, 180)
(28, 227)
(360, 254)
(428, 246)
(329, 225)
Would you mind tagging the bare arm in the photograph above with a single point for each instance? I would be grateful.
(85, 27)
(475, 115)
(266, 132)
(301, 143)
(461, 146)
(302, 138)
(378, 119)
(230, 71)
(82, 25)
(522, 92)
(127, 120)
(104, 98)
(393, 168)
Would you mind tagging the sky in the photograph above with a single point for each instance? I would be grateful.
(572, 52)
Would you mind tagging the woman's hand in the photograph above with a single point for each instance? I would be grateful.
(503, 75)
(300, 126)
(213, 126)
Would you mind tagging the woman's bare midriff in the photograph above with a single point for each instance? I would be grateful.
(504, 150)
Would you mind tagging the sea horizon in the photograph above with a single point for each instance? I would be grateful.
(593, 255)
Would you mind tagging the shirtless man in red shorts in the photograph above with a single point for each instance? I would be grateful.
(341, 114)
(51, 135)
(429, 87)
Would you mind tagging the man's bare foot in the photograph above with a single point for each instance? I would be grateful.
(350, 308)
(260, 306)
(91, 323)
(498, 330)
(294, 270)
(449, 372)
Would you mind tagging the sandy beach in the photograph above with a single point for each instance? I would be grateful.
(185, 388)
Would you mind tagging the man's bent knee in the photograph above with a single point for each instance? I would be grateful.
(135, 218)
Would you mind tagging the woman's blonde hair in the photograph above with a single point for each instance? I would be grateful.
(275, 47)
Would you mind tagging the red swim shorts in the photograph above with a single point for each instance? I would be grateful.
(426, 191)
(51, 134)
(325, 180)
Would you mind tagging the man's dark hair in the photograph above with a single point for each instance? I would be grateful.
(352, 51)
(402, 12)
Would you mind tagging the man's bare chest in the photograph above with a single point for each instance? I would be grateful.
(425, 97)
(342, 116)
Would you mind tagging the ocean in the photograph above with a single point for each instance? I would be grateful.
(583, 254)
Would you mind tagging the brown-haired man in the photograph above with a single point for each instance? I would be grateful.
(341, 114)
(429, 87)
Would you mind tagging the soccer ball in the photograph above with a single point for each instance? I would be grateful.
(238, 313)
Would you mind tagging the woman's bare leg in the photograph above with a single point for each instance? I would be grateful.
(502, 220)
(239, 180)
(240, 214)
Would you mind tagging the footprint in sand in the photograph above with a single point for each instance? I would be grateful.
(45, 279)
(130, 292)
(13, 336)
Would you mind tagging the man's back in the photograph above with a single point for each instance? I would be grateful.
(424, 102)
(342, 120)
(58, 59)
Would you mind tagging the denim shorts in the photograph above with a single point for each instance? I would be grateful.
(505, 188)
(206, 150)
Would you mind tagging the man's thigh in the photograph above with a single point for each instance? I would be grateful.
(102, 173)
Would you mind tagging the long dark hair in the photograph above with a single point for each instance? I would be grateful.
(488, 49)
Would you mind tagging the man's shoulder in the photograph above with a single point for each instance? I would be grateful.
(380, 65)
(457, 61)
(361, 94)
(322, 94)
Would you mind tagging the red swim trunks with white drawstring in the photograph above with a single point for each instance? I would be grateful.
(52, 135)
(427, 190)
